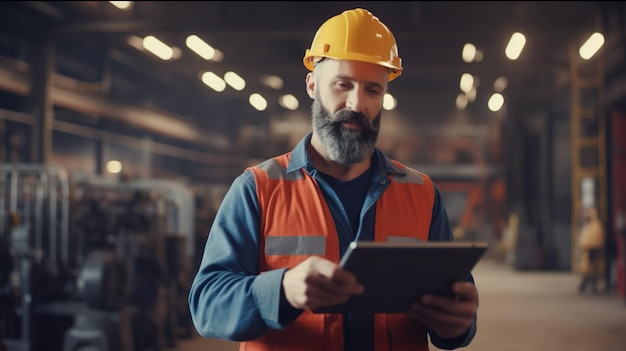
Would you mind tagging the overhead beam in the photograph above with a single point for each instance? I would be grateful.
(156, 121)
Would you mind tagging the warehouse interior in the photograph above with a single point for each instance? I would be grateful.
(113, 160)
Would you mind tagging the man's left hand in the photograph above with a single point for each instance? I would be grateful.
(448, 317)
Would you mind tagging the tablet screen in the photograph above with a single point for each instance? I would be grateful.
(396, 273)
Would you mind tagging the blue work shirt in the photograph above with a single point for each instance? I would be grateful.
(230, 300)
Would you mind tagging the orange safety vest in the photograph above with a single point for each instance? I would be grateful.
(288, 202)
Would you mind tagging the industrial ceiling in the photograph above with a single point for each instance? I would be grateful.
(258, 38)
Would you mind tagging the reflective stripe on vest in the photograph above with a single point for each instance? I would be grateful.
(296, 223)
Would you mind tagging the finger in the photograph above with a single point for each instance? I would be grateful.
(445, 325)
(318, 282)
(465, 290)
(333, 278)
(335, 286)
(311, 295)
(332, 271)
(323, 286)
(320, 291)
(318, 297)
(447, 305)
(462, 292)
(434, 316)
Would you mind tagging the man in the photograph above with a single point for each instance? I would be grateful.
(272, 254)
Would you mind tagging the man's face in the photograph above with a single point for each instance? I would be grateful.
(347, 108)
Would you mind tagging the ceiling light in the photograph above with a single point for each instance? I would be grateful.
(135, 42)
(200, 47)
(461, 101)
(219, 56)
(495, 103)
(479, 56)
(274, 82)
(258, 102)
(213, 81)
(500, 84)
(389, 102)
(158, 48)
(289, 102)
(591, 46)
(234, 80)
(466, 83)
(114, 166)
(471, 94)
(122, 5)
(515, 46)
(469, 52)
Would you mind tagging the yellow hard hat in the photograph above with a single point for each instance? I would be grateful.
(355, 35)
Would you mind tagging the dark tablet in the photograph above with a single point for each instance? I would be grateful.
(396, 273)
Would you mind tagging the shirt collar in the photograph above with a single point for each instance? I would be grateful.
(300, 159)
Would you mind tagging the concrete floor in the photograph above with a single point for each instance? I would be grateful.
(524, 311)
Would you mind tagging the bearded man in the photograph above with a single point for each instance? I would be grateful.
(271, 257)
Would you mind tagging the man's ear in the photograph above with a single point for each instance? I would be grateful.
(310, 85)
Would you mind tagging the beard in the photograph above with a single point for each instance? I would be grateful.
(345, 146)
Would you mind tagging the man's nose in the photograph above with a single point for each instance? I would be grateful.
(356, 100)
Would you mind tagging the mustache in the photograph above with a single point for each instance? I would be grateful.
(353, 117)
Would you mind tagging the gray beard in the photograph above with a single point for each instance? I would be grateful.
(345, 146)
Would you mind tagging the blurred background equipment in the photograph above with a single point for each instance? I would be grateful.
(92, 262)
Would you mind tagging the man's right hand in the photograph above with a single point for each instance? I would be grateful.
(317, 282)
